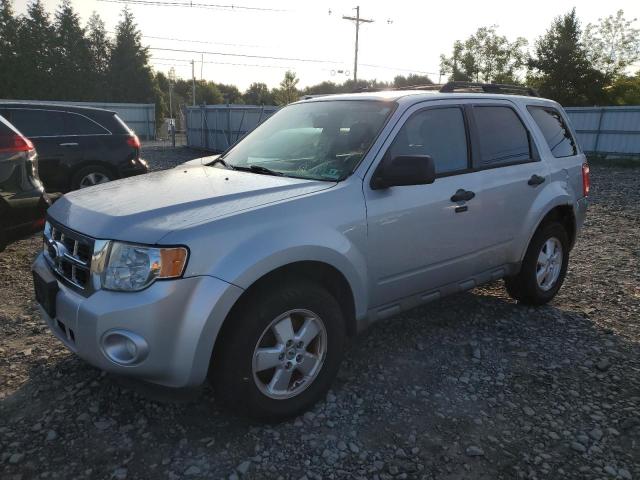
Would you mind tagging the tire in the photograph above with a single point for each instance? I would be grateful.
(82, 178)
(239, 382)
(525, 287)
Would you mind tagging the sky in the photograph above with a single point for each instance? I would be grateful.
(405, 37)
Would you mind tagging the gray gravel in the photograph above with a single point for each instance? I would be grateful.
(473, 386)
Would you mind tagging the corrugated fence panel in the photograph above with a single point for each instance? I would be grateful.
(140, 117)
(607, 130)
(602, 130)
(217, 127)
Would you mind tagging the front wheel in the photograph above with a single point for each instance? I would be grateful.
(280, 351)
(544, 267)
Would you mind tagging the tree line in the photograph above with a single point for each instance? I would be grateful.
(55, 57)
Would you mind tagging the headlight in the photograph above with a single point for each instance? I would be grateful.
(135, 267)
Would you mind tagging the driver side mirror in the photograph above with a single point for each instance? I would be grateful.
(404, 170)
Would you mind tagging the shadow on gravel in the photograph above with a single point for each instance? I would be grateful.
(471, 386)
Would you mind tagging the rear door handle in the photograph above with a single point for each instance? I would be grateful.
(462, 196)
(535, 180)
(70, 144)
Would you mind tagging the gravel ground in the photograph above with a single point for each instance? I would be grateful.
(473, 386)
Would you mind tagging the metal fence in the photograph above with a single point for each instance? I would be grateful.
(217, 127)
(140, 117)
(613, 131)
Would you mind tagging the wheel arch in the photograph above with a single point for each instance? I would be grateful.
(562, 213)
(325, 274)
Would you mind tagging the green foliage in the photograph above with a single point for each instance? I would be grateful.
(71, 56)
(208, 93)
(9, 63)
(561, 68)
(486, 57)
(288, 91)
(35, 49)
(130, 77)
(625, 90)
(258, 94)
(230, 93)
(412, 79)
(612, 45)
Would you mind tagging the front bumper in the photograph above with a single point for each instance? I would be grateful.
(178, 319)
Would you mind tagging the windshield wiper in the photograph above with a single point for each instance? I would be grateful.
(220, 161)
(259, 169)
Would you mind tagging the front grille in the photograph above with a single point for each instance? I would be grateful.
(69, 255)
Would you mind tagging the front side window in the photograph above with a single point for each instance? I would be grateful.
(502, 136)
(315, 140)
(38, 123)
(438, 132)
(554, 130)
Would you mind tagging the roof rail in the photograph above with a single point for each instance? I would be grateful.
(503, 88)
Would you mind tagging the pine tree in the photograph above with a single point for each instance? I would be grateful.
(100, 51)
(130, 77)
(9, 82)
(36, 39)
(561, 69)
(72, 73)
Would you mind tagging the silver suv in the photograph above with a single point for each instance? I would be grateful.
(253, 268)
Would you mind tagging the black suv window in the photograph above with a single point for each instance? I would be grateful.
(439, 132)
(555, 131)
(502, 136)
(38, 123)
(76, 124)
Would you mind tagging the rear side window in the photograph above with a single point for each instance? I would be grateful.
(555, 131)
(80, 125)
(38, 123)
(438, 132)
(502, 136)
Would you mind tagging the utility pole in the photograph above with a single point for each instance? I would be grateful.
(172, 122)
(193, 77)
(358, 21)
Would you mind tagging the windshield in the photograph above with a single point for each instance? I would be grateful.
(316, 140)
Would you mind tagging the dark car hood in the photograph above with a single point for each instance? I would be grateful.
(145, 208)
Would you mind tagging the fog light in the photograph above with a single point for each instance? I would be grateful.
(124, 347)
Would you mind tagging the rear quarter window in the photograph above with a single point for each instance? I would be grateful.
(76, 124)
(555, 131)
(503, 138)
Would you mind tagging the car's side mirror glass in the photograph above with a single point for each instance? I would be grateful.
(404, 170)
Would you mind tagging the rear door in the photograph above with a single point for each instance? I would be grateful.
(509, 173)
(57, 150)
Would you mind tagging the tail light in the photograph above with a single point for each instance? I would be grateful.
(133, 141)
(15, 143)
(586, 179)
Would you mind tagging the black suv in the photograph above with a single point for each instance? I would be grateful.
(77, 146)
(22, 199)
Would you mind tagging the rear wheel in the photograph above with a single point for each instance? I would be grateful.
(544, 266)
(281, 351)
(90, 176)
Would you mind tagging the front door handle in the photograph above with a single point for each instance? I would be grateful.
(462, 196)
(535, 180)
(70, 144)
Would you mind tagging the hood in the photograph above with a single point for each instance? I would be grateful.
(145, 208)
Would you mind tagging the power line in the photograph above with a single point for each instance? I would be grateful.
(229, 7)
(244, 55)
(214, 63)
(184, 40)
